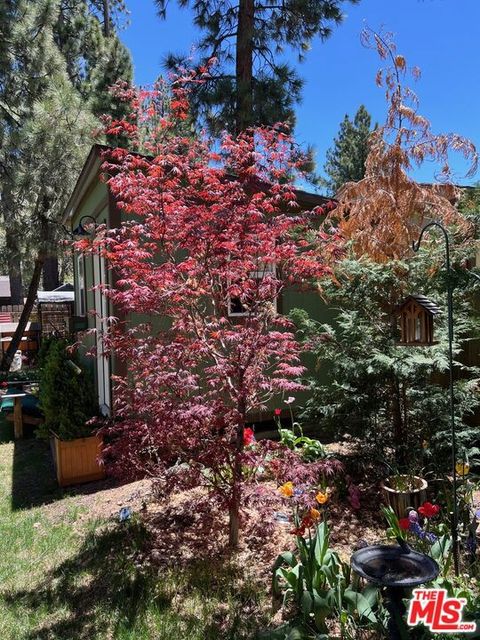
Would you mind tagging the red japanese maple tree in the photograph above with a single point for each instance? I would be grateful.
(212, 236)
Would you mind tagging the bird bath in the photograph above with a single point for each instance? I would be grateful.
(395, 568)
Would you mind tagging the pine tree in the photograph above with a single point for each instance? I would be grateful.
(250, 86)
(95, 57)
(346, 158)
(51, 43)
(45, 127)
(28, 60)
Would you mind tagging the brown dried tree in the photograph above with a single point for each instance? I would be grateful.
(382, 213)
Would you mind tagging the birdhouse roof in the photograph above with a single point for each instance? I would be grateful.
(424, 302)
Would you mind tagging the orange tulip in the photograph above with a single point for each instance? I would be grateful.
(286, 489)
(321, 497)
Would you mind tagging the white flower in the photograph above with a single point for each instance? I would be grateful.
(289, 400)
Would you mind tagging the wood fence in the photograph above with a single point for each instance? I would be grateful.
(15, 310)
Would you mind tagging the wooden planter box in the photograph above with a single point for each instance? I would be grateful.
(400, 500)
(76, 461)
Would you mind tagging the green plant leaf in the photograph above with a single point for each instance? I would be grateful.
(360, 603)
(306, 603)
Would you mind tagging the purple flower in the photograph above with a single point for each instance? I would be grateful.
(413, 516)
(420, 533)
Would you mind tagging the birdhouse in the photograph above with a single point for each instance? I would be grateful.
(416, 315)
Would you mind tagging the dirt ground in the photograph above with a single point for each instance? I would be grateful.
(102, 500)
(175, 525)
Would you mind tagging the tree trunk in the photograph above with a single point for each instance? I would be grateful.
(235, 501)
(24, 318)
(44, 235)
(106, 18)
(244, 65)
(234, 510)
(51, 278)
(14, 264)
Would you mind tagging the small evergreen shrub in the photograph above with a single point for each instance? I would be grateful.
(394, 399)
(67, 395)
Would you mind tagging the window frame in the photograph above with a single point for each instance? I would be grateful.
(258, 275)
(80, 288)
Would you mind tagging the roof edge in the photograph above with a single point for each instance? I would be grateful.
(91, 167)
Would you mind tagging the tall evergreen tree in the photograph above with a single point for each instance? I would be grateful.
(29, 59)
(346, 158)
(41, 42)
(250, 85)
(95, 60)
(95, 56)
(46, 122)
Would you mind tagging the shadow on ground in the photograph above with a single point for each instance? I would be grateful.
(109, 590)
(80, 593)
(33, 477)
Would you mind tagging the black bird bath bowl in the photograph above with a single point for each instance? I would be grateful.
(395, 568)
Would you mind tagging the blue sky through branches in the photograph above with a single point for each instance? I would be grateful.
(439, 36)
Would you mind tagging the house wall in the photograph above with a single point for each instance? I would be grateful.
(97, 203)
(94, 203)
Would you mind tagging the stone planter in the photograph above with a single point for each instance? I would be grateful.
(404, 491)
(76, 461)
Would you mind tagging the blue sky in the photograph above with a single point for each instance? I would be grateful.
(439, 36)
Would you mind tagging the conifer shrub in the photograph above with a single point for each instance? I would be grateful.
(394, 400)
(67, 395)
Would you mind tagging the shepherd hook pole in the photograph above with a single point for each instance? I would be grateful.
(454, 521)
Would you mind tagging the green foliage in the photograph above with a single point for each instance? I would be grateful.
(248, 39)
(30, 374)
(346, 159)
(310, 449)
(321, 587)
(394, 530)
(67, 398)
(95, 57)
(393, 398)
(55, 68)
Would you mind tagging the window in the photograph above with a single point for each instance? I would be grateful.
(235, 306)
(80, 288)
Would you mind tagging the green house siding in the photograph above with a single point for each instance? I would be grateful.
(91, 198)
(95, 204)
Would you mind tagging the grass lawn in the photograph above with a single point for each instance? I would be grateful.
(68, 576)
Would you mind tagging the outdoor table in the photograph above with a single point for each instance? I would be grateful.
(17, 412)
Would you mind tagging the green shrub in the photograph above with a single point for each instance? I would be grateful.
(393, 398)
(67, 396)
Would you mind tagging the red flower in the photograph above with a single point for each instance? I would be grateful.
(277, 412)
(248, 437)
(428, 510)
(404, 524)
(299, 531)
(306, 523)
